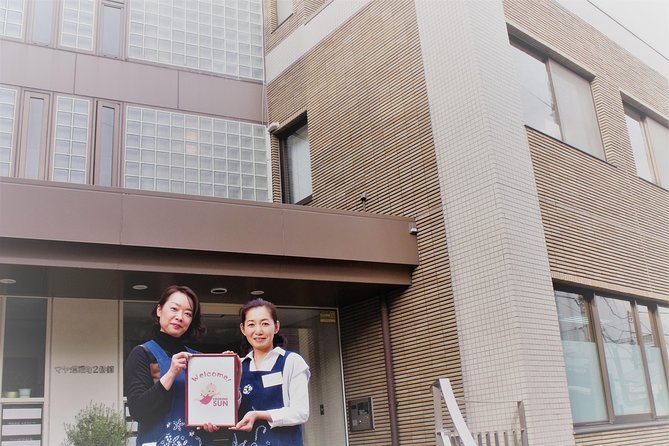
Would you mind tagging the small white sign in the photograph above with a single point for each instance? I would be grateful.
(211, 390)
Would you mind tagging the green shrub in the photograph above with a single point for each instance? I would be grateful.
(97, 425)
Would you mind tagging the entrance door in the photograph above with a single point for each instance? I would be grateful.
(313, 333)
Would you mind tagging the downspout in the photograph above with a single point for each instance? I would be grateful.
(390, 378)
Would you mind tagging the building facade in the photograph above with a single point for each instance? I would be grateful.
(468, 190)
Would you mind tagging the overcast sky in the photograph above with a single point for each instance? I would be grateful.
(648, 19)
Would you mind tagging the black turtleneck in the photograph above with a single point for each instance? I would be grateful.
(148, 401)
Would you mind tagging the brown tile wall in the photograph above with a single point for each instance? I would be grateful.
(605, 227)
(369, 131)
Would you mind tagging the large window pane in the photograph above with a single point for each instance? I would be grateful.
(659, 138)
(24, 346)
(111, 31)
(577, 110)
(7, 118)
(107, 124)
(658, 380)
(639, 147)
(299, 165)
(586, 391)
(70, 161)
(539, 110)
(35, 133)
(623, 357)
(11, 18)
(42, 21)
(191, 154)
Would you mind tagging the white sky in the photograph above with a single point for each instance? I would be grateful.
(648, 19)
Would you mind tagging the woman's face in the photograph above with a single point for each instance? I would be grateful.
(176, 314)
(259, 328)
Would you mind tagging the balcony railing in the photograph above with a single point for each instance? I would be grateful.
(452, 430)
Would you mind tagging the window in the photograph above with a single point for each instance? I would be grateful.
(297, 166)
(558, 102)
(284, 9)
(77, 24)
(24, 346)
(32, 162)
(70, 153)
(11, 18)
(650, 144)
(42, 21)
(110, 30)
(190, 154)
(614, 356)
(220, 37)
(7, 119)
(106, 144)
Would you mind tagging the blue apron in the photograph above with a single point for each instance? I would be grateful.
(171, 430)
(257, 397)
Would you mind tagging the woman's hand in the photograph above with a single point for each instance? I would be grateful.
(210, 427)
(177, 365)
(246, 423)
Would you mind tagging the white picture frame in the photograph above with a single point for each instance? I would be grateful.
(211, 389)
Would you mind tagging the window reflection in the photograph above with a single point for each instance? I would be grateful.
(24, 347)
(586, 391)
(629, 391)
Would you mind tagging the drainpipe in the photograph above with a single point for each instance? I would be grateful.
(390, 378)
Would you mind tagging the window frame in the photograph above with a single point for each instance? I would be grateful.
(589, 296)
(24, 123)
(550, 63)
(284, 160)
(99, 32)
(95, 160)
(642, 119)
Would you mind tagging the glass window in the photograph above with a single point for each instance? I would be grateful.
(659, 144)
(35, 131)
(105, 145)
(42, 24)
(576, 110)
(24, 349)
(110, 37)
(629, 391)
(650, 146)
(558, 102)
(7, 120)
(658, 378)
(225, 39)
(78, 21)
(297, 169)
(174, 152)
(284, 9)
(584, 377)
(70, 154)
(11, 18)
(539, 110)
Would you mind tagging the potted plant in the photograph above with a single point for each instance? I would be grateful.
(97, 425)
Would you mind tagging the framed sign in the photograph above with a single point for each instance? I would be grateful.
(211, 390)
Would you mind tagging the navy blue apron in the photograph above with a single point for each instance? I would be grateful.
(171, 430)
(257, 397)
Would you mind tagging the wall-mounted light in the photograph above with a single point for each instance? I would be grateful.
(139, 287)
(257, 293)
(218, 290)
(273, 127)
(7, 281)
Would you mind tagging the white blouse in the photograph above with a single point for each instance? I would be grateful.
(295, 380)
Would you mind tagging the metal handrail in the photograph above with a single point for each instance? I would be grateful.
(442, 389)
